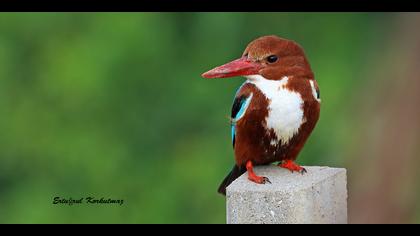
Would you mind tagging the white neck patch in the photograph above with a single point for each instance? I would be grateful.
(285, 109)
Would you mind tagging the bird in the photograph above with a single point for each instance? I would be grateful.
(274, 111)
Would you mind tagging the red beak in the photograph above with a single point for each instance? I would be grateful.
(239, 67)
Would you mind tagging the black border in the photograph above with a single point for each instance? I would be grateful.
(207, 5)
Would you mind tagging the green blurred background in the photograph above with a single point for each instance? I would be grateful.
(112, 105)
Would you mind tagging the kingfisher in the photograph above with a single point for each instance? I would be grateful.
(274, 111)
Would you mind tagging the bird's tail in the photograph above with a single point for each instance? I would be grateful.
(234, 174)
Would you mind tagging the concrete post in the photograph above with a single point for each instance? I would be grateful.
(318, 196)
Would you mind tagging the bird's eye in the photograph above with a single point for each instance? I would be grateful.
(272, 59)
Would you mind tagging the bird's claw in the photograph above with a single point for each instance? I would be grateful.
(259, 179)
(303, 171)
(266, 180)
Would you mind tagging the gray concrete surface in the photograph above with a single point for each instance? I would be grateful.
(318, 196)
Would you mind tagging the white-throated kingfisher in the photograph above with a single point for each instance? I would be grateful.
(274, 110)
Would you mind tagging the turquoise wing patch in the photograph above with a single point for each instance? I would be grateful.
(240, 105)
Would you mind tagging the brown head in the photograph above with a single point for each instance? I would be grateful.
(269, 56)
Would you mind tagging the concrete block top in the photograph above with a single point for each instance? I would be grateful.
(283, 180)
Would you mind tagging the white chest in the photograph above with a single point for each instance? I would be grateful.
(285, 110)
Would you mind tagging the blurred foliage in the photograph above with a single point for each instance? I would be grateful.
(113, 105)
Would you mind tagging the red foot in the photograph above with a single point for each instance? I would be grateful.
(253, 177)
(290, 165)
